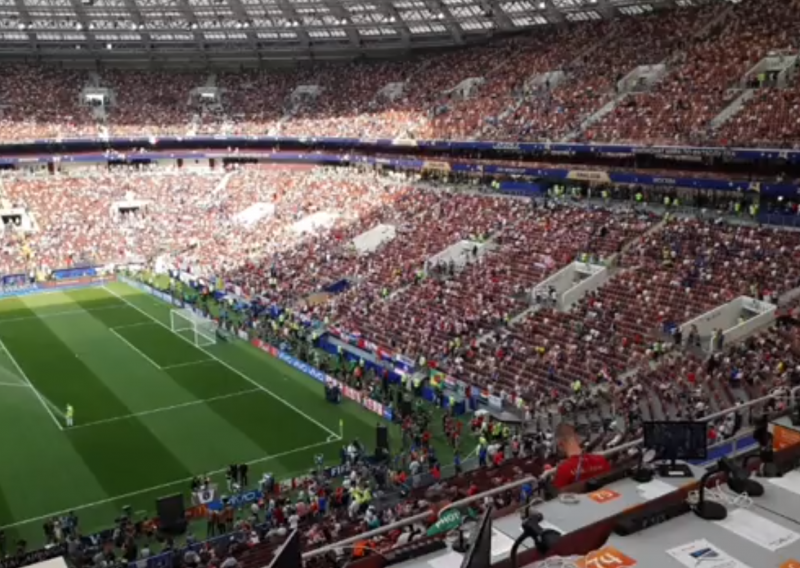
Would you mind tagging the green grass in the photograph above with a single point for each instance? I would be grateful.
(151, 409)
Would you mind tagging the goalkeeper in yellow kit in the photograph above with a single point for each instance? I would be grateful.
(70, 413)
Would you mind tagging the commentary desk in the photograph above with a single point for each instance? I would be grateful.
(651, 548)
(613, 499)
(741, 541)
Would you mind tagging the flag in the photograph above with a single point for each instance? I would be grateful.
(207, 496)
(449, 521)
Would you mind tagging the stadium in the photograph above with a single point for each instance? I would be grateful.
(414, 283)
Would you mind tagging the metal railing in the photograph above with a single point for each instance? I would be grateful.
(545, 475)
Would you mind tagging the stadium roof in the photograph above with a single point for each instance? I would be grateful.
(272, 27)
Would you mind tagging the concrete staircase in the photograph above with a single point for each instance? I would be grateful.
(596, 117)
(729, 111)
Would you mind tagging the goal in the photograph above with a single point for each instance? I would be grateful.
(199, 330)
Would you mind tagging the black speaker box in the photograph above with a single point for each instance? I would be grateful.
(171, 514)
(381, 437)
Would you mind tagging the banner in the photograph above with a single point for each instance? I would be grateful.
(348, 392)
(402, 364)
(41, 287)
(449, 521)
(75, 273)
(250, 496)
(436, 166)
(589, 175)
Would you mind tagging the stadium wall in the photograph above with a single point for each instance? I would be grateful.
(211, 150)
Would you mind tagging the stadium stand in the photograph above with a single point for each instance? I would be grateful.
(627, 80)
(702, 78)
(472, 312)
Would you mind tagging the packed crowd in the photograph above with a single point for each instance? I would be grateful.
(43, 103)
(445, 287)
(543, 86)
(205, 221)
(679, 272)
(770, 117)
(702, 77)
(265, 231)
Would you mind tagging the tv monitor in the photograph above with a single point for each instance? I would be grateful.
(479, 553)
(681, 440)
(289, 554)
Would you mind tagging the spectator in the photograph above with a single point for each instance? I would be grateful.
(576, 465)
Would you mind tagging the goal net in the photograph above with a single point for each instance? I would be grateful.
(199, 330)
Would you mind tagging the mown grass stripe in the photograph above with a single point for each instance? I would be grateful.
(122, 456)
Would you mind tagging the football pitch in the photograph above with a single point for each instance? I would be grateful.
(152, 410)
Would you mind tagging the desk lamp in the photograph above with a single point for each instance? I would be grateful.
(708, 510)
(739, 478)
(643, 473)
(766, 452)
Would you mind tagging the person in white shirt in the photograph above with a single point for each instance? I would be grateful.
(294, 520)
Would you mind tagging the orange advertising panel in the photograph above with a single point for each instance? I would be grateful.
(783, 437)
(606, 557)
(603, 496)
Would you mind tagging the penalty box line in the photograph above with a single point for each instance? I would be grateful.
(162, 409)
(226, 365)
(147, 358)
(161, 487)
(47, 405)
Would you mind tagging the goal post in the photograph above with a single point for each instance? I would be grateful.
(199, 330)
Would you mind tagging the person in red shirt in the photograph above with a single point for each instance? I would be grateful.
(426, 438)
(498, 459)
(577, 466)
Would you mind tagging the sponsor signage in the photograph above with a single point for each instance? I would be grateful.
(606, 557)
(316, 374)
(604, 496)
(449, 521)
(589, 175)
(783, 437)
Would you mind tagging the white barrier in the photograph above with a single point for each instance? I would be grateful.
(369, 241)
(597, 276)
(737, 319)
(573, 282)
(460, 254)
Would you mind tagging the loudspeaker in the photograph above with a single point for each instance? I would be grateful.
(171, 514)
(381, 438)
